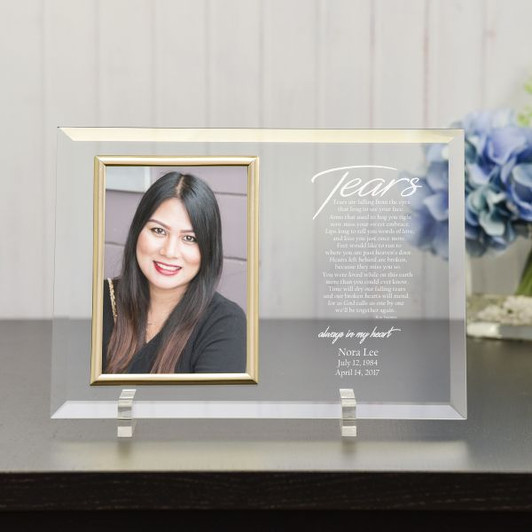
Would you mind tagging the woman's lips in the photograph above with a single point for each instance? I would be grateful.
(166, 269)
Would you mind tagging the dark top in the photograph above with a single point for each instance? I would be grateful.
(217, 343)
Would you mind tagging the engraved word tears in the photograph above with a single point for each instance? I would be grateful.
(377, 186)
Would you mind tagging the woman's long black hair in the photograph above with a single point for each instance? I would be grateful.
(133, 295)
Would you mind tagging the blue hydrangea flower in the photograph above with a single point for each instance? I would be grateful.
(498, 186)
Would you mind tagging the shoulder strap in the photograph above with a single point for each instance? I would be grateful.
(113, 300)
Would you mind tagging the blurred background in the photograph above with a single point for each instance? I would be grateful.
(236, 63)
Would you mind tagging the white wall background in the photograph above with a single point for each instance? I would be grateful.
(231, 63)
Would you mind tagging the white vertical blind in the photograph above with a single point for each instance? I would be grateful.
(399, 64)
(234, 63)
(454, 67)
(180, 58)
(289, 43)
(125, 62)
(22, 159)
(344, 64)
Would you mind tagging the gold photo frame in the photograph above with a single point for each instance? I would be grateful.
(244, 165)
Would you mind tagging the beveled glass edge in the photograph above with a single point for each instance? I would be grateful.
(228, 135)
(457, 275)
(254, 410)
(252, 174)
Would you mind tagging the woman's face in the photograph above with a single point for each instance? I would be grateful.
(167, 251)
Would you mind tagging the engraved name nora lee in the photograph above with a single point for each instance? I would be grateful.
(377, 186)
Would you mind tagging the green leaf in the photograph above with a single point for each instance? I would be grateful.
(525, 285)
(524, 118)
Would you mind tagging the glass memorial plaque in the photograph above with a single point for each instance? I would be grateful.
(354, 272)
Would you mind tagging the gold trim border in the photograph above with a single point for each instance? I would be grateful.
(252, 364)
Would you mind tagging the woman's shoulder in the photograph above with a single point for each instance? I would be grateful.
(219, 342)
(220, 305)
(223, 314)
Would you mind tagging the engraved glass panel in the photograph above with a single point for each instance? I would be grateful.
(361, 278)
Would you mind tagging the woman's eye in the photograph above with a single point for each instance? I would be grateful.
(190, 238)
(158, 231)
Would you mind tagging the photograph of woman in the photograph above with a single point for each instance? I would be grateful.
(163, 313)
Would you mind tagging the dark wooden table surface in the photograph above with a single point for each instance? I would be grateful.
(483, 463)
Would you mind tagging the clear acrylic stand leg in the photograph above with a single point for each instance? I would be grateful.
(126, 423)
(349, 413)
